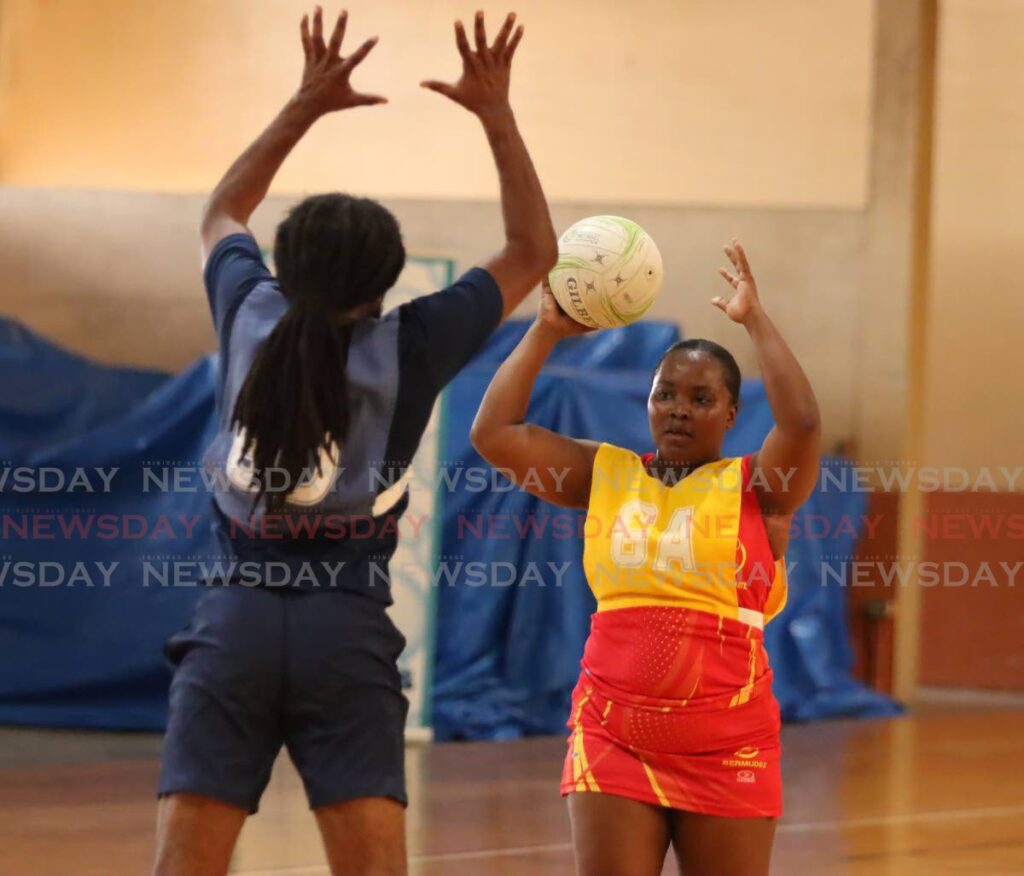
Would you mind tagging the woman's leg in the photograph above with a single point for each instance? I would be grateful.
(345, 728)
(709, 845)
(223, 729)
(364, 837)
(195, 835)
(616, 836)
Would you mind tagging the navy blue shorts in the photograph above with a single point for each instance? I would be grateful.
(259, 668)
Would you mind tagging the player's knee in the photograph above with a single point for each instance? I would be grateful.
(377, 862)
(195, 834)
(387, 868)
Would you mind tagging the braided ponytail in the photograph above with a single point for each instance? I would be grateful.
(334, 254)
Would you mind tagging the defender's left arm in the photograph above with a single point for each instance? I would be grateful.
(325, 88)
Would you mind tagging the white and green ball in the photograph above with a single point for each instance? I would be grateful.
(608, 273)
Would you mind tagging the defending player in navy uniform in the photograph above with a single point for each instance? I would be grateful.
(322, 402)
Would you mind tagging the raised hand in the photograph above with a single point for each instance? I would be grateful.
(551, 316)
(326, 85)
(745, 302)
(483, 86)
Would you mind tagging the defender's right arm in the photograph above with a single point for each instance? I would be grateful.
(530, 249)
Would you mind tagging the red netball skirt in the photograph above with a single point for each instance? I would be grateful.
(713, 751)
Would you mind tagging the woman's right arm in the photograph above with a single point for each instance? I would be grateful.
(548, 465)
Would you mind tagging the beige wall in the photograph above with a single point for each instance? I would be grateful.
(650, 101)
(973, 360)
(974, 363)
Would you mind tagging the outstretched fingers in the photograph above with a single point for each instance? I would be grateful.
(356, 58)
(338, 34)
(480, 35)
(731, 253)
(510, 50)
(730, 278)
(744, 266)
(501, 41)
(307, 40)
(318, 34)
(738, 257)
(463, 44)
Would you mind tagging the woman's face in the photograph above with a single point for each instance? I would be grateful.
(690, 408)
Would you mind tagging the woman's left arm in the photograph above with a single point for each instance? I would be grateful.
(787, 463)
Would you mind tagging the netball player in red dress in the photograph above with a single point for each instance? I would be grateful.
(675, 731)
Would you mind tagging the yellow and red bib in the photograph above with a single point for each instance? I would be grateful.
(698, 544)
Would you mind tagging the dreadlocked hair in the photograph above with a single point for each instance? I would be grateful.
(332, 253)
(730, 370)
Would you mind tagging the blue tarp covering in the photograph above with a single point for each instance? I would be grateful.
(85, 609)
(508, 656)
(81, 624)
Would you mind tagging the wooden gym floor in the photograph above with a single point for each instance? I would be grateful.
(936, 794)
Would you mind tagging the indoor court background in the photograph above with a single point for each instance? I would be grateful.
(870, 155)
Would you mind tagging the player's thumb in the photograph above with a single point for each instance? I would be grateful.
(368, 99)
(440, 87)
